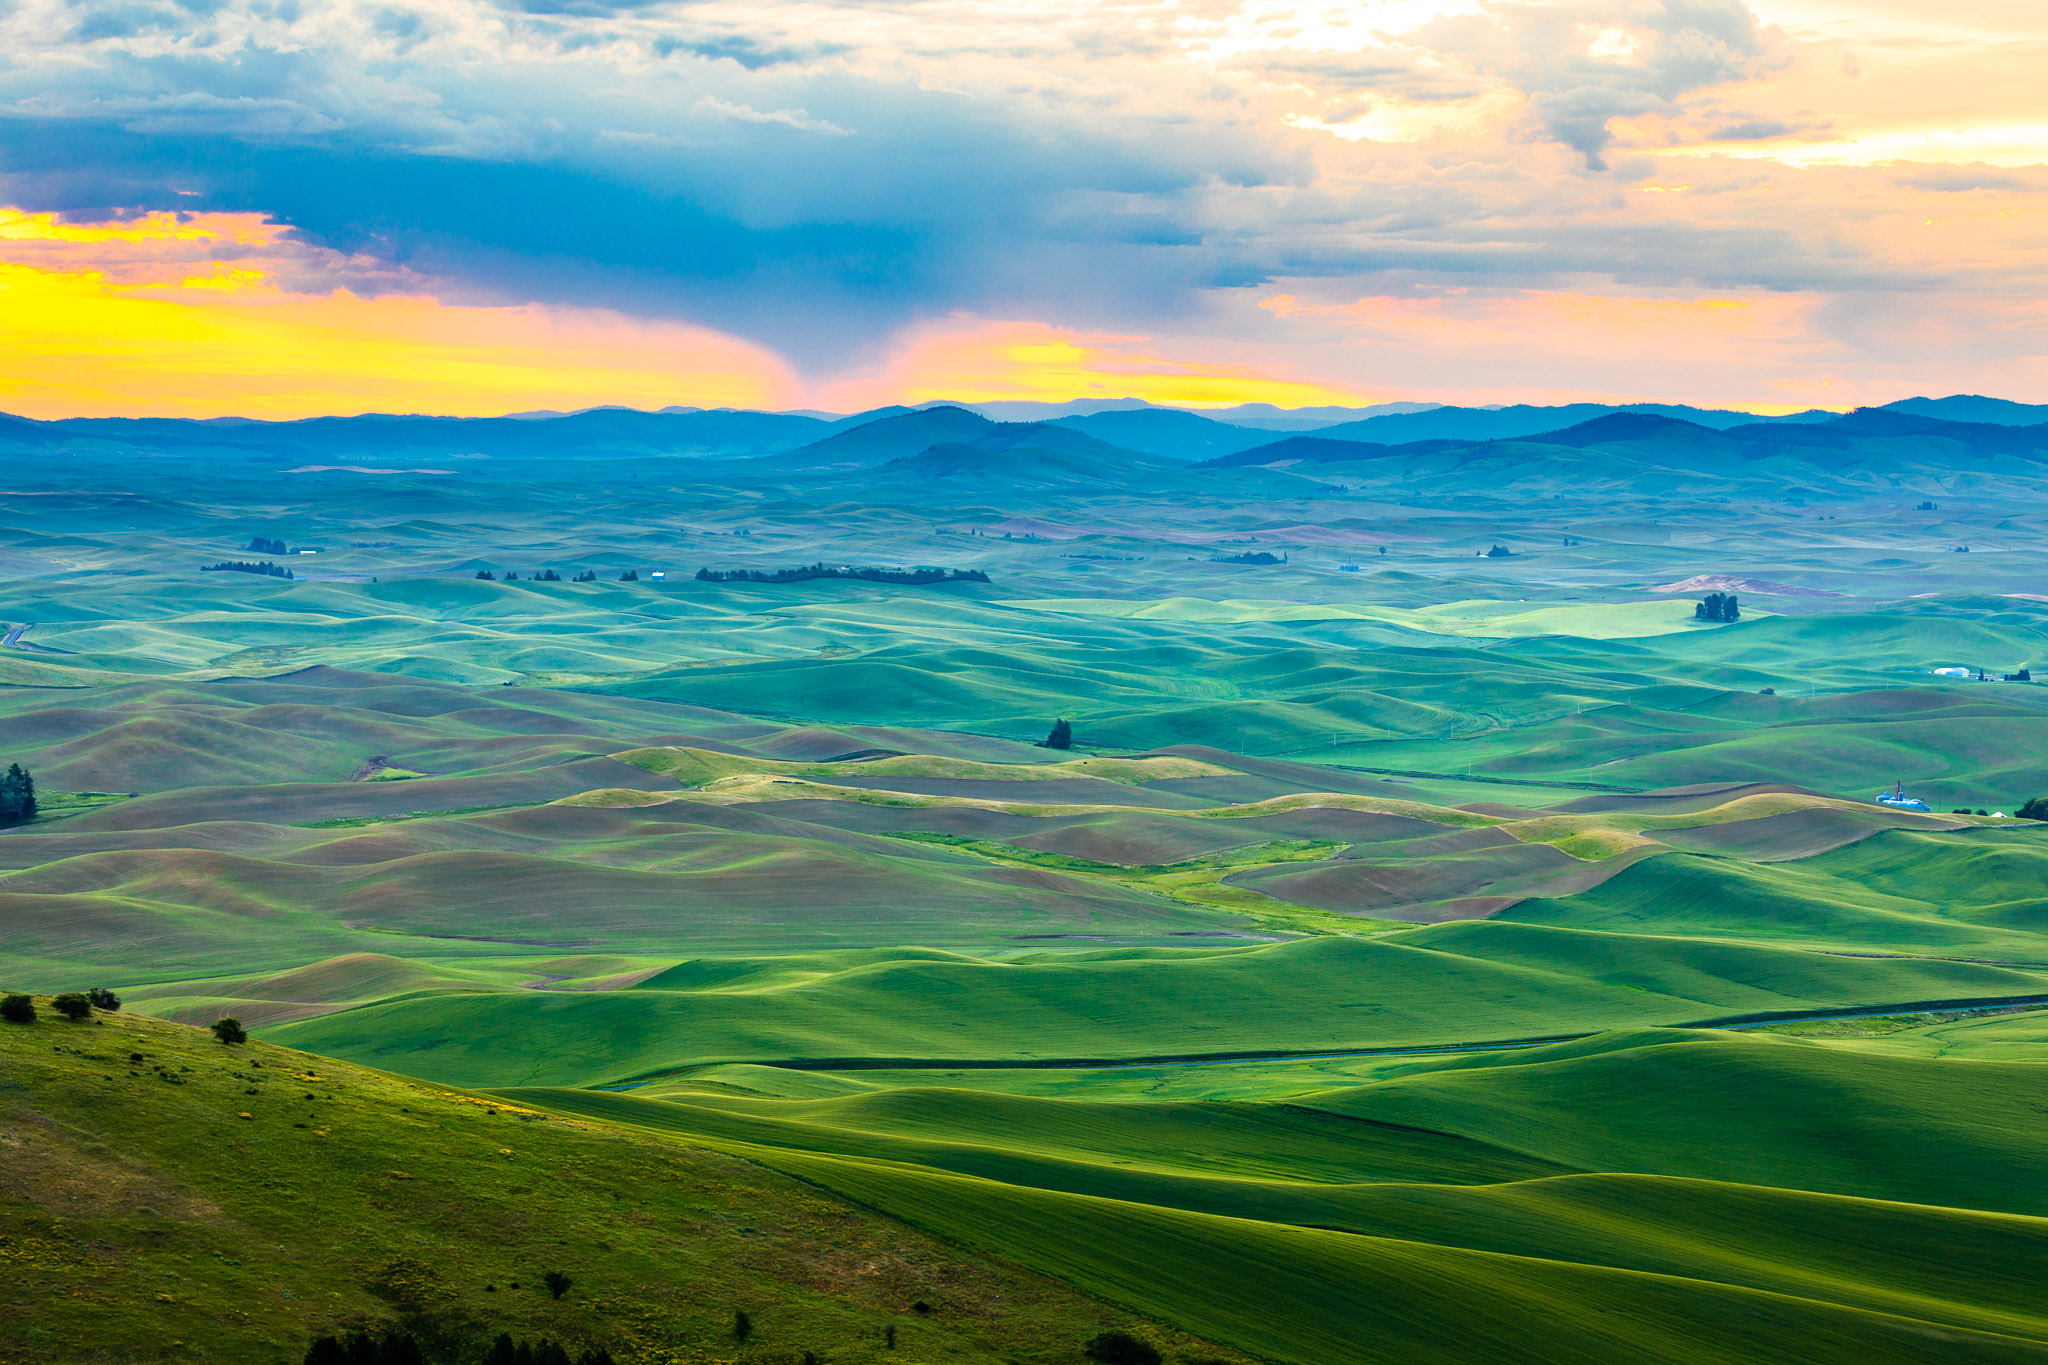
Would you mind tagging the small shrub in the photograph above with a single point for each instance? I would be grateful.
(742, 1325)
(921, 1308)
(1121, 1348)
(396, 1348)
(229, 1029)
(557, 1283)
(103, 999)
(889, 1336)
(18, 1009)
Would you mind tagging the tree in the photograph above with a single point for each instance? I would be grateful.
(596, 1355)
(742, 1325)
(557, 1283)
(1718, 606)
(73, 1006)
(486, 576)
(103, 999)
(630, 576)
(1121, 1348)
(229, 1029)
(326, 1351)
(1062, 736)
(18, 1009)
(17, 796)
(2036, 808)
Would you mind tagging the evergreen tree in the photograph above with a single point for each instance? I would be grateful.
(17, 796)
(1718, 606)
(486, 575)
(1062, 736)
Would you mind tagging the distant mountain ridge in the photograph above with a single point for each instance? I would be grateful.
(1840, 432)
(1128, 425)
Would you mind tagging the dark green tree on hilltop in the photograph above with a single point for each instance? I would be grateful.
(1062, 736)
(2036, 808)
(1718, 606)
(17, 796)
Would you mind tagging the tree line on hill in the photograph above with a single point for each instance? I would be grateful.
(1718, 606)
(397, 1347)
(262, 545)
(920, 576)
(245, 566)
(17, 796)
(1250, 557)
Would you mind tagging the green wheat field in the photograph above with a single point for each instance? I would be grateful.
(1420, 954)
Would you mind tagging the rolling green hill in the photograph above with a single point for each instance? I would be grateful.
(169, 1199)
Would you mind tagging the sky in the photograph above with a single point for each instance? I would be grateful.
(279, 208)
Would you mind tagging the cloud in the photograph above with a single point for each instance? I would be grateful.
(821, 176)
(715, 108)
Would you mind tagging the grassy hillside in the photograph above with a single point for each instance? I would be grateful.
(1755, 1109)
(166, 1198)
(1479, 982)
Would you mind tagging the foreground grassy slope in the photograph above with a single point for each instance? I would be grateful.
(1304, 1295)
(165, 1198)
(1309, 995)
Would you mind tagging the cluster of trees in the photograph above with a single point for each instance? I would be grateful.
(245, 566)
(2036, 808)
(1062, 736)
(1250, 557)
(1718, 606)
(77, 1006)
(403, 1348)
(630, 576)
(258, 545)
(17, 796)
(1500, 552)
(538, 576)
(1121, 1348)
(917, 577)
